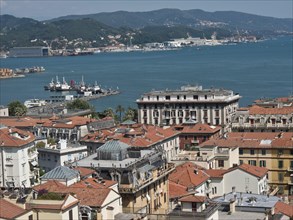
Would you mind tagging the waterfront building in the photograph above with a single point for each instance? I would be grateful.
(142, 177)
(18, 158)
(138, 137)
(4, 111)
(29, 52)
(273, 115)
(273, 150)
(60, 154)
(209, 106)
(193, 134)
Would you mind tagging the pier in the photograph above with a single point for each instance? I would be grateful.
(57, 106)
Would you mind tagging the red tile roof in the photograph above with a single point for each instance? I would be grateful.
(285, 209)
(176, 190)
(138, 135)
(200, 128)
(90, 195)
(257, 110)
(193, 198)
(84, 172)
(262, 140)
(216, 173)
(188, 175)
(253, 170)
(13, 137)
(9, 210)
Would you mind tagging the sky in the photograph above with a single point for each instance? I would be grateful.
(44, 9)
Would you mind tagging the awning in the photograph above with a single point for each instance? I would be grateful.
(34, 163)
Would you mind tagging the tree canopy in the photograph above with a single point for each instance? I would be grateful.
(78, 104)
(16, 108)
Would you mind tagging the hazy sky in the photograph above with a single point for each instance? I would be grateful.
(44, 9)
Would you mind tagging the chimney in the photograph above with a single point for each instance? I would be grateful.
(232, 205)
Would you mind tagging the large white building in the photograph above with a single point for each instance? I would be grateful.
(18, 158)
(52, 156)
(210, 106)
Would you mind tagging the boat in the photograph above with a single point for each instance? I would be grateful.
(96, 88)
(31, 103)
(3, 56)
(51, 85)
(57, 84)
(63, 86)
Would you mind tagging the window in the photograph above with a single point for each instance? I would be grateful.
(205, 113)
(165, 197)
(280, 164)
(217, 113)
(262, 163)
(167, 97)
(157, 97)
(280, 177)
(240, 151)
(30, 217)
(252, 162)
(291, 152)
(241, 162)
(215, 190)
(184, 97)
(205, 97)
(220, 163)
(70, 215)
(178, 97)
(280, 152)
(195, 97)
(251, 152)
(263, 152)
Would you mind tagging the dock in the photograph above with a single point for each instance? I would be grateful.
(57, 105)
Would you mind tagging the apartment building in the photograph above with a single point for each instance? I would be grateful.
(142, 178)
(193, 134)
(263, 119)
(138, 137)
(273, 150)
(60, 154)
(18, 158)
(99, 198)
(209, 106)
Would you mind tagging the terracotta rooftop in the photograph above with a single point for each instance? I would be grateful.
(136, 135)
(176, 190)
(257, 110)
(9, 210)
(262, 140)
(199, 128)
(215, 173)
(193, 198)
(253, 170)
(88, 194)
(13, 137)
(84, 172)
(285, 209)
(188, 175)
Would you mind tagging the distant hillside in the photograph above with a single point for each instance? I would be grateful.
(191, 18)
(86, 32)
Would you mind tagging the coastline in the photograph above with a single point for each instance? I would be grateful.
(14, 76)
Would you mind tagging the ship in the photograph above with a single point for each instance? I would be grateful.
(31, 103)
(63, 86)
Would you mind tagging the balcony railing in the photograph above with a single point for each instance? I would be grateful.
(130, 188)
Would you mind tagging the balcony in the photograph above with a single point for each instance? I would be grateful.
(290, 169)
(156, 174)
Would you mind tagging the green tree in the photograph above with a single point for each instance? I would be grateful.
(120, 110)
(79, 104)
(130, 114)
(16, 108)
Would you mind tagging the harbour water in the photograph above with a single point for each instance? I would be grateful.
(253, 70)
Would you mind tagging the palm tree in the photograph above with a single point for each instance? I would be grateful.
(119, 109)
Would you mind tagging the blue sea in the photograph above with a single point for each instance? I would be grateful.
(254, 70)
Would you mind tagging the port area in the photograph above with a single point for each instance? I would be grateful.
(57, 105)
